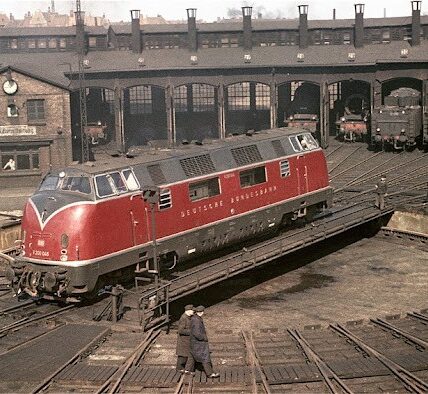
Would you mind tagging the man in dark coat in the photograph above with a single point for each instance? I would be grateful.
(199, 348)
(183, 338)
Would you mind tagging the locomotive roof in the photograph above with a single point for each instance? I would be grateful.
(163, 166)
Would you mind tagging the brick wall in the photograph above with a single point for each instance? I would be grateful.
(52, 134)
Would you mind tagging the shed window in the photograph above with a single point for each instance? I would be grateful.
(251, 177)
(12, 111)
(36, 109)
(19, 158)
(140, 98)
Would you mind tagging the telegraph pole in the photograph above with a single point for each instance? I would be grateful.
(80, 33)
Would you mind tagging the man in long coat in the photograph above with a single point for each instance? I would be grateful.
(183, 338)
(199, 347)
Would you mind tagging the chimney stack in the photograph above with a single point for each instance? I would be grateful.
(416, 22)
(192, 34)
(303, 26)
(248, 39)
(334, 14)
(359, 26)
(136, 31)
(80, 32)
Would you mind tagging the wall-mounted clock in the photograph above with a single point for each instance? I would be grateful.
(10, 87)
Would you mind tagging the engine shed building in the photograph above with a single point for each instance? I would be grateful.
(162, 84)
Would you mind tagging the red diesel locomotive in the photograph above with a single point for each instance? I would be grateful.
(86, 222)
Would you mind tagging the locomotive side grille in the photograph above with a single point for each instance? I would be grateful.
(246, 155)
(278, 148)
(156, 174)
(197, 165)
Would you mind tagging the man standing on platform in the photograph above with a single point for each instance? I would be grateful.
(183, 339)
(199, 348)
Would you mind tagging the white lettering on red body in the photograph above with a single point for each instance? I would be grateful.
(233, 200)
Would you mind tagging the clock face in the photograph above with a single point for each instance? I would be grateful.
(10, 87)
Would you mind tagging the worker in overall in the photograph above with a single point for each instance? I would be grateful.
(381, 189)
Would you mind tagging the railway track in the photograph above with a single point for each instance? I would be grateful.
(354, 172)
(25, 321)
(388, 354)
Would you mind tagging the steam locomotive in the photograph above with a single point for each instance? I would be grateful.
(304, 110)
(397, 124)
(352, 126)
(87, 223)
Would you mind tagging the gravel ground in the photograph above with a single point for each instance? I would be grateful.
(369, 278)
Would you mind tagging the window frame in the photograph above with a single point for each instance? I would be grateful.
(36, 110)
(252, 172)
(32, 152)
(212, 191)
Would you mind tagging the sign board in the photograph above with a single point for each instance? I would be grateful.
(16, 130)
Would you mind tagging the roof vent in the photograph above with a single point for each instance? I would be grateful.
(193, 59)
(156, 174)
(300, 57)
(197, 165)
(247, 58)
(351, 56)
(246, 155)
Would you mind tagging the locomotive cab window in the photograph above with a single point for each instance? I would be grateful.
(79, 184)
(130, 180)
(50, 183)
(204, 189)
(251, 177)
(303, 142)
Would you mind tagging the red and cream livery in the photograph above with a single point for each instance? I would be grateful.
(86, 222)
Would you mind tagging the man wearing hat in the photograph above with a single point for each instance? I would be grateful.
(199, 348)
(381, 189)
(183, 339)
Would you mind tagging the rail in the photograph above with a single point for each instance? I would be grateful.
(420, 343)
(326, 372)
(253, 361)
(43, 386)
(409, 380)
(27, 320)
(114, 382)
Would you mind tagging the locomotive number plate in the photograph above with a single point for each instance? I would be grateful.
(42, 253)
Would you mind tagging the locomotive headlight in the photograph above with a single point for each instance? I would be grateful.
(380, 111)
(377, 128)
(314, 118)
(63, 258)
(291, 117)
(64, 241)
(403, 112)
(342, 119)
